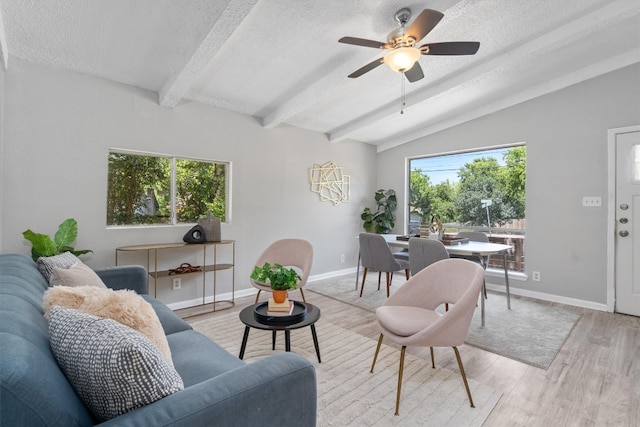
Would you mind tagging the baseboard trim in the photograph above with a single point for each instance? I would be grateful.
(208, 300)
(548, 297)
(499, 274)
(352, 271)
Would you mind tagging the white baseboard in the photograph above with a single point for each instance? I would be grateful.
(332, 274)
(548, 297)
(491, 286)
(494, 272)
(208, 300)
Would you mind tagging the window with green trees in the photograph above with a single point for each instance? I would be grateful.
(145, 188)
(452, 187)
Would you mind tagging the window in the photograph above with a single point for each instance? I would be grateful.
(146, 188)
(475, 190)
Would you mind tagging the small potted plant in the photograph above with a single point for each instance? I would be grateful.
(280, 278)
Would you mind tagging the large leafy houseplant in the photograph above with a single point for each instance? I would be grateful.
(382, 220)
(278, 277)
(43, 245)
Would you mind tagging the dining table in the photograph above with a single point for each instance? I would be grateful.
(482, 250)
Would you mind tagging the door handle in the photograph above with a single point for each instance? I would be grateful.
(624, 233)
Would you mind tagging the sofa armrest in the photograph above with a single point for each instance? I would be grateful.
(125, 277)
(279, 390)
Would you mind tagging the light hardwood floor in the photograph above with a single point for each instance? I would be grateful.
(593, 381)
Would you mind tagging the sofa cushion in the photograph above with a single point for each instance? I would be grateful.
(187, 348)
(113, 368)
(171, 323)
(63, 260)
(78, 274)
(124, 306)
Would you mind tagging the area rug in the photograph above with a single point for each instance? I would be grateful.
(348, 395)
(530, 332)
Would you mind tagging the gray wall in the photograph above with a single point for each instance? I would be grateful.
(59, 126)
(566, 137)
(1, 149)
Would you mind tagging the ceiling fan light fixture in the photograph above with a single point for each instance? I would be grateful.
(402, 58)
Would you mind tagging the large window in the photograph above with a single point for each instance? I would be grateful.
(145, 188)
(476, 190)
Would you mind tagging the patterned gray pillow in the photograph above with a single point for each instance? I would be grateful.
(113, 368)
(63, 260)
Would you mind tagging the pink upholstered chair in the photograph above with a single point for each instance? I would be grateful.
(292, 253)
(409, 317)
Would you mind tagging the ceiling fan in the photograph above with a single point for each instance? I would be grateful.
(403, 54)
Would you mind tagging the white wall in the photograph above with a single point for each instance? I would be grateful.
(59, 126)
(566, 137)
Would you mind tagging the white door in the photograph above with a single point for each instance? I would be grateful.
(627, 229)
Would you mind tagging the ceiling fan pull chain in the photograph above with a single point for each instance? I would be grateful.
(403, 95)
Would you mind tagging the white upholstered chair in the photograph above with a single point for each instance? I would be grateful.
(292, 253)
(409, 317)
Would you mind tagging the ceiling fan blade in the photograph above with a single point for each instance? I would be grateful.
(364, 42)
(450, 48)
(423, 24)
(370, 66)
(415, 73)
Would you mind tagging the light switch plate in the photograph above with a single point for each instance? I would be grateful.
(592, 202)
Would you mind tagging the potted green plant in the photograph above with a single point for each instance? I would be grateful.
(279, 278)
(382, 220)
(43, 245)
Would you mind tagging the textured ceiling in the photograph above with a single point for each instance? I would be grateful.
(280, 60)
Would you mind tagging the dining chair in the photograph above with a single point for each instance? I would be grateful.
(375, 255)
(409, 317)
(424, 252)
(475, 236)
(292, 253)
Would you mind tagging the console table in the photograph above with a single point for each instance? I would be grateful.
(210, 264)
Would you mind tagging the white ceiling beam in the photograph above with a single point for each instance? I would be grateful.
(233, 15)
(581, 27)
(331, 79)
(586, 73)
(4, 49)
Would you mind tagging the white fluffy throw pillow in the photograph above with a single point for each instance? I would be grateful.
(124, 306)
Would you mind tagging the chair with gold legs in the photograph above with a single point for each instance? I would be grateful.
(292, 253)
(409, 317)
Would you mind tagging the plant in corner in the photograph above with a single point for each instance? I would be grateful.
(278, 277)
(43, 245)
(382, 220)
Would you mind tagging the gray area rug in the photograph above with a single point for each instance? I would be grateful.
(348, 395)
(530, 332)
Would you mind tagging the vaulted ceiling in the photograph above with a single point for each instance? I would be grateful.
(280, 61)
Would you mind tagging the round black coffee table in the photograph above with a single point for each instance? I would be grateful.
(247, 316)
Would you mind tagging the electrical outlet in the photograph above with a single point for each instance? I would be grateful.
(592, 202)
(536, 276)
(341, 257)
(177, 283)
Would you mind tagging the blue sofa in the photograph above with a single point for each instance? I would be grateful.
(220, 389)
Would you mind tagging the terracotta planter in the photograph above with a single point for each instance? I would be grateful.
(279, 296)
